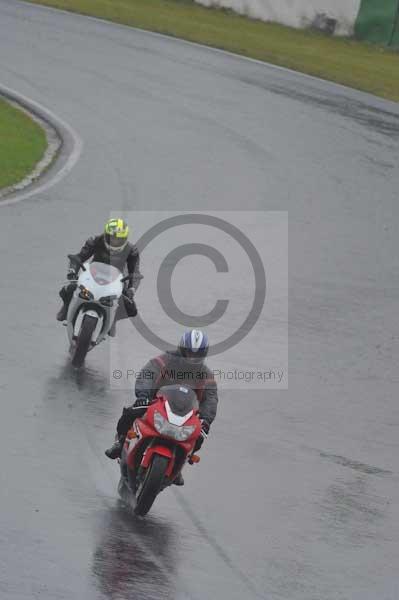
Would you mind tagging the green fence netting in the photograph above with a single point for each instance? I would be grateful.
(378, 22)
(395, 32)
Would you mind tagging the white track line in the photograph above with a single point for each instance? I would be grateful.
(62, 128)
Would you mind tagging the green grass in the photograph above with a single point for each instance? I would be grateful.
(22, 144)
(359, 65)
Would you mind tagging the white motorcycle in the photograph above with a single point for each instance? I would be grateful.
(93, 307)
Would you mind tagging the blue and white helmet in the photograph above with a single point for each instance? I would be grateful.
(194, 346)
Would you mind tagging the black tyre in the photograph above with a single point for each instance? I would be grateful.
(151, 485)
(84, 340)
(123, 490)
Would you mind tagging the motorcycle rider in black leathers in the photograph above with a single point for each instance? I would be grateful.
(113, 248)
(185, 367)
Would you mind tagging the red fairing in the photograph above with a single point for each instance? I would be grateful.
(147, 430)
(159, 406)
(163, 451)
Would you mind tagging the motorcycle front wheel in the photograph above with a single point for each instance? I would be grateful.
(84, 340)
(151, 485)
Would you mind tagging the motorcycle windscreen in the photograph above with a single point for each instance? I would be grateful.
(104, 274)
(181, 398)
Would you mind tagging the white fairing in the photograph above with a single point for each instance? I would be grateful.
(175, 419)
(102, 281)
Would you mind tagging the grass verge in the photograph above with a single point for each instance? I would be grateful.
(22, 144)
(359, 65)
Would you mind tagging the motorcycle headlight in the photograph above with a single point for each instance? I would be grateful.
(165, 428)
(85, 294)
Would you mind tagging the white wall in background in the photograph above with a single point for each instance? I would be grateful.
(296, 13)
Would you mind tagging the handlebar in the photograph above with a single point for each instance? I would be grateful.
(75, 259)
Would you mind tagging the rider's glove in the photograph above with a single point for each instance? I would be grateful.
(205, 427)
(203, 435)
(130, 293)
(71, 273)
(142, 402)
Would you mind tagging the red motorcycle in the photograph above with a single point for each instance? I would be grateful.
(158, 446)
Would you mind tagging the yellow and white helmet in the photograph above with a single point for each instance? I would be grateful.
(116, 233)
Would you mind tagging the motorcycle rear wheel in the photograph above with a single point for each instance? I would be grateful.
(152, 484)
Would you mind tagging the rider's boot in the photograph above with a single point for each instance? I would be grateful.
(115, 450)
(62, 313)
(178, 479)
(112, 331)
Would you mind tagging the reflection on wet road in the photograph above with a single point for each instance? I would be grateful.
(133, 557)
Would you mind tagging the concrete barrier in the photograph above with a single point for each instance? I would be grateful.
(296, 13)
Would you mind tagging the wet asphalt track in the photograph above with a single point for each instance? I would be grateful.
(308, 509)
